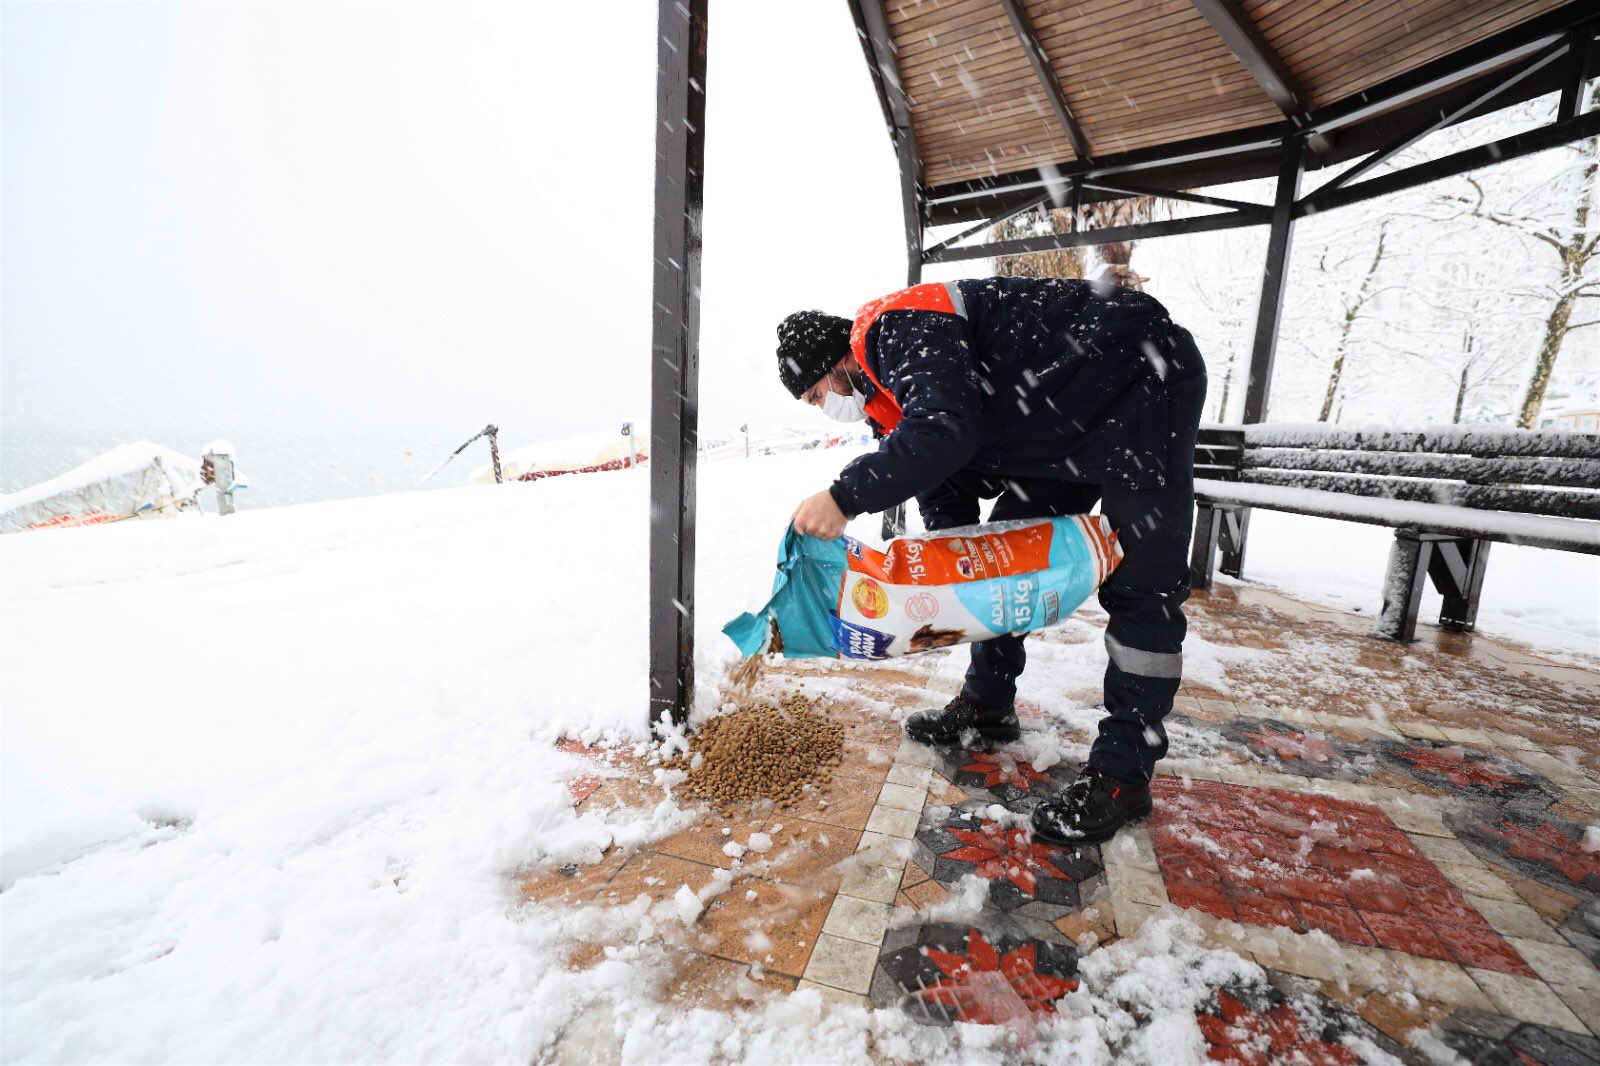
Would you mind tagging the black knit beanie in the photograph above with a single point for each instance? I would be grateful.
(810, 343)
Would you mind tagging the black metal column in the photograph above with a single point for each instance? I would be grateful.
(1264, 347)
(675, 352)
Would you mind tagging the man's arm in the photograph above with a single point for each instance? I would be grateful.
(926, 361)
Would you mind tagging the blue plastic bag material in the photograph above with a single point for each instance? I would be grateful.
(846, 599)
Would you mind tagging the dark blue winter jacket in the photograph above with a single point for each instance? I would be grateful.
(1039, 378)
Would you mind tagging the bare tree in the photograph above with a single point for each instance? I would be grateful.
(1352, 311)
(1568, 236)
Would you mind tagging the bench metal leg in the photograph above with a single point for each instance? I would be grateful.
(1457, 568)
(1203, 549)
(1235, 527)
(894, 522)
(1403, 586)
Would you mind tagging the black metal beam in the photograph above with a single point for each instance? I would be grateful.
(1242, 37)
(1452, 69)
(1129, 189)
(1449, 116)
(1581, 42)
(675, 351)
(1160, 157)
(1264, 347)
(989, 223)
(1109, 235)
(880, 48)
(1514, 147)
(1042, 69)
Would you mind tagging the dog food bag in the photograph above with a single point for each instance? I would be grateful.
(845, 599)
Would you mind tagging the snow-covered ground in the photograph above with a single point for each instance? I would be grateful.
(264, 776)
(1548, 600)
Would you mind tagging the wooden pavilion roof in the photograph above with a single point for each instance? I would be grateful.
(1132, 75)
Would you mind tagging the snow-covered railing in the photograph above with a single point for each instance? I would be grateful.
(1446, 491)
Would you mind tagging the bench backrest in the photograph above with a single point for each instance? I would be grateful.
(1518, 471)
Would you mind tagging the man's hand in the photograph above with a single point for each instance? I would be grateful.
(819, 516)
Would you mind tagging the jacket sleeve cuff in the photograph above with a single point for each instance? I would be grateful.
(841, 496)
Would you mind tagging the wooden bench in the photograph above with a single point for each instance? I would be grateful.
(1447, 493)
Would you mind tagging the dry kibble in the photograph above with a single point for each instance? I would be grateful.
(761, 752)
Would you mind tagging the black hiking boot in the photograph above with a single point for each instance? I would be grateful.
(958, 717)
(1091, 809)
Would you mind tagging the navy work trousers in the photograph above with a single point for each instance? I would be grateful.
(1144, 596)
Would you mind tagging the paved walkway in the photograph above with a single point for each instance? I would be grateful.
(1396, 834)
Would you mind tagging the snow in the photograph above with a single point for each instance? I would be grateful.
(264, 782)
(123, 459)
(1516, 528)
(1548, 600)
(263, 778)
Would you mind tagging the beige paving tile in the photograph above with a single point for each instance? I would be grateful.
(1478, 881)
(1527, 1000)
(1224, 707)
(1421, 730)
(1446, 982)
(857, 919)
(1515, 742)
(1132, 846)
(1558, 964)
(872, 882)
(830, 994)
(914, 776)
(1136, 885)
(1514, 919)
(1373, 967)
(1442, 849)
(1414, 819)
(1130, 916)
(1312, 958)
(892, 821)
(913, 754)
(844, 964)
(902, 797)
(1583, 1002)
(884, 850)
(1475, 737)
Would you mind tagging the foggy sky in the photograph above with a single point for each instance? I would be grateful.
(410, 219)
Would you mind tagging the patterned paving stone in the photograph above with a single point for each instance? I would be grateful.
(1026, 878)
(1276, 858)
(1003, 775)
(1302, 751)
(994, 974)
(1263, 1025)
(1491, 1040)
(1463, 771)
(1582, 930)
(1534, 843)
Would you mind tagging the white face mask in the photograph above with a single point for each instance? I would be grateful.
(851, 408)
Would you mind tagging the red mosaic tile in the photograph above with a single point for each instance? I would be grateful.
(1402, 932)
(1204, 896)
(1341, 923)
(1266, 910)
(1265, 1033)
(1286, 859)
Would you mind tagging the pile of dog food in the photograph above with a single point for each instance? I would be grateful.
(761, 752)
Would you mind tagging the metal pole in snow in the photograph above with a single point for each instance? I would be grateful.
(633, 453)
(746, 429)
(675, 351)
(494, 451)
